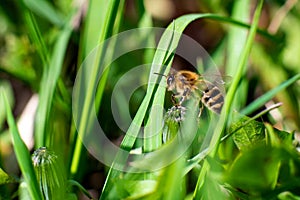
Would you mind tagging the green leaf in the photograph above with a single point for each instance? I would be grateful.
(22, 153)
(255, 170)
(249, 135)
(5, 178)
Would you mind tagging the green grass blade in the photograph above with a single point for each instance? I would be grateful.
(229, 99)
(269, 95)
(36, 37)
(236, 39)
(22, 153)
(44, 9)
(108, 21)
(237, 36)
(102, 83)
(48, 85)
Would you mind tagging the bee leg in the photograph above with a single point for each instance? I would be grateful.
(184, 95)
(173, 99)
(181, 100)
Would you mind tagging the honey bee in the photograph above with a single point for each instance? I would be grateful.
(185, 84)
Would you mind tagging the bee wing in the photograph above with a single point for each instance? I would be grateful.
(217, 80)
(205, 86)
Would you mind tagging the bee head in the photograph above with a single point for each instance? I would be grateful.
(171, 82)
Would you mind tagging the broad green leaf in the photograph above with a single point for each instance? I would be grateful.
(249, 135)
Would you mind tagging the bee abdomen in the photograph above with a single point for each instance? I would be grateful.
(213, 99)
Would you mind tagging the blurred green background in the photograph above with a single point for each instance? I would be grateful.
(43, 43)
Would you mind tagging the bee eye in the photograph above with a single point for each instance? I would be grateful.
(170, 80)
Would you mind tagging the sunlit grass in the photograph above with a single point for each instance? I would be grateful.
(247, 152)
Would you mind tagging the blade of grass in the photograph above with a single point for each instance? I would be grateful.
(22, 153)
(7, 88)
(115, 30)
(152, 140)
(111, 9)
(236, 40)
(48, 85)
(36, 37)
(45, 9)
(228, 102)
(269, 95)
(237, 36)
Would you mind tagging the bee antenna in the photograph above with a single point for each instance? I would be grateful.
(160, 74)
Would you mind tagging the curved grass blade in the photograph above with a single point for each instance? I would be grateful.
(22, 154)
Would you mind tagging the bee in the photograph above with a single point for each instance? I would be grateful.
(183, 84)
